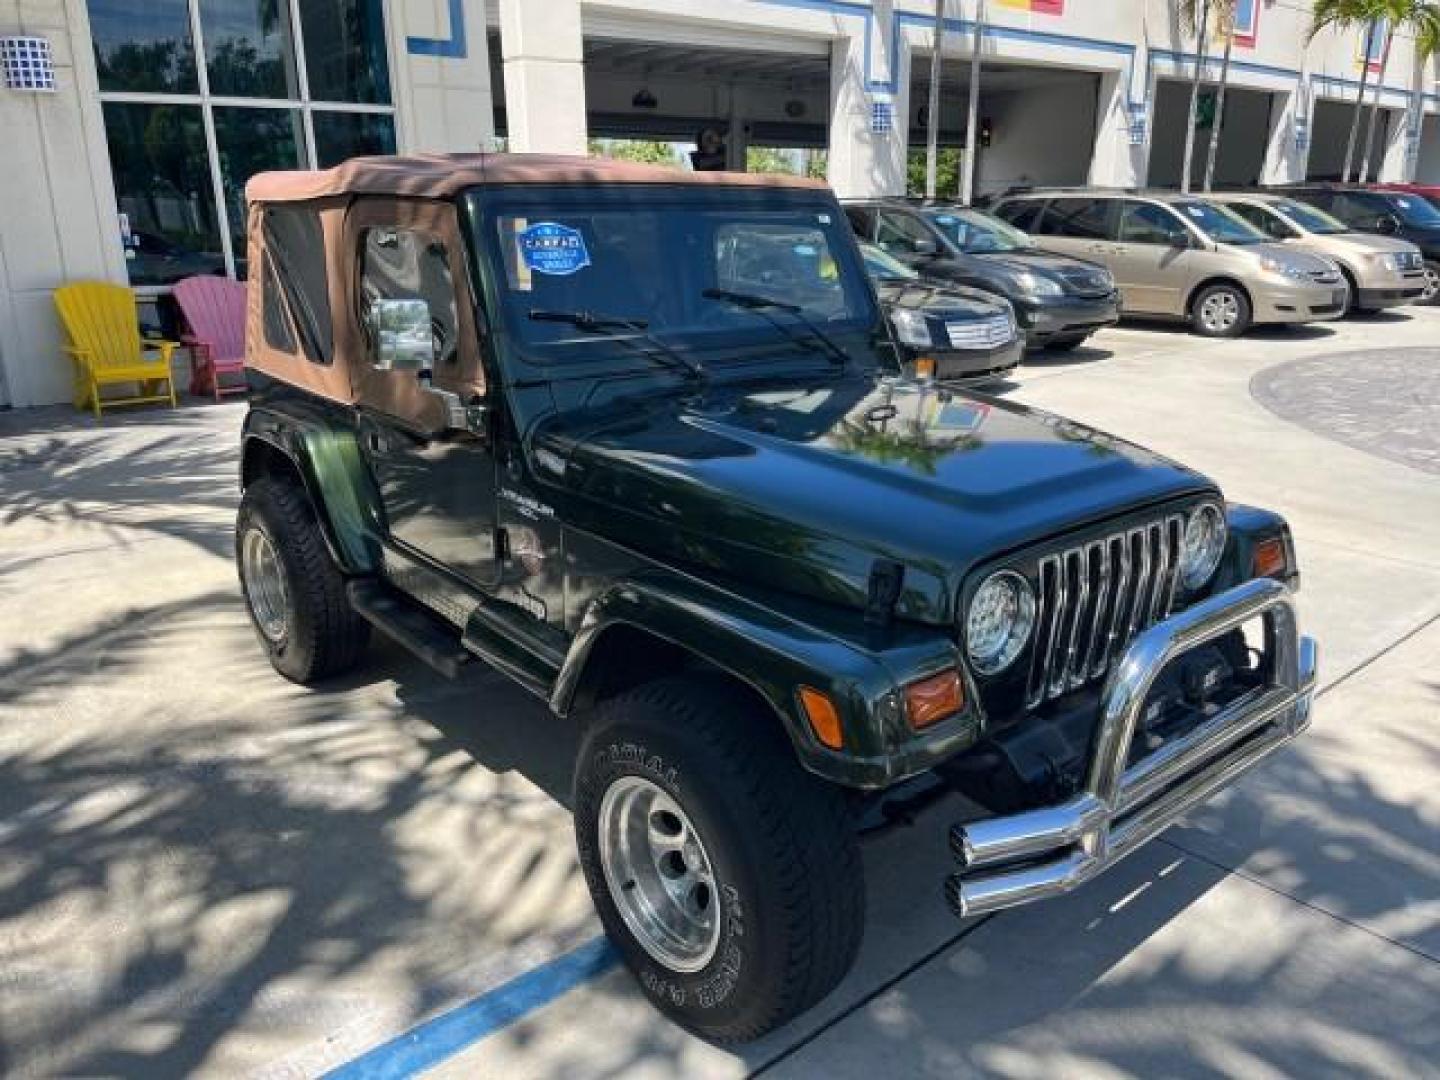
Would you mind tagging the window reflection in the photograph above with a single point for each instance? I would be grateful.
(248, 51)
(162, 186)
(345, 56)
(251, 141)
(345, 135)
(143, 47)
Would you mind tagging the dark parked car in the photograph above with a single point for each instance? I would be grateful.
(1390, 213)
(550, 423)
(1059, 301)
(958, 335)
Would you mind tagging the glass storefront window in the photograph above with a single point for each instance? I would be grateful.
(248, 52)
(345, 51)
(183, 210)
(341, 135)
(143, 47)
(252, 141)
(162, 184)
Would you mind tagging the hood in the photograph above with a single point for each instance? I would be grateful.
(942, 301)
(800, 487)
(1297, 257)
(1006, 268)
(1370, 243)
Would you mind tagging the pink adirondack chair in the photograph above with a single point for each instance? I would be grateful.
(214, 311)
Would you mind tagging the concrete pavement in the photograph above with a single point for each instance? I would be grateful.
(206, 870)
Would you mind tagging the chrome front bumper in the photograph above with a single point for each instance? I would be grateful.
(1039, 853)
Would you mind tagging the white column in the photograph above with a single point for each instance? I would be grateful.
(1284, 160)
(444, 97)
(540, 44)
(1116, 162)
(58, 217)
(865, 162)
(1396, 165)
(737, 139)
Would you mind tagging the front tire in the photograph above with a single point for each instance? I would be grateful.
(292, 588)
(727, 876)
(1220, 311)
(1431, 296)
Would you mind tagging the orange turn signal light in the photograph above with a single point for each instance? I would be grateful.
(1270, 557)
(931, 700)
(824, 718)
(925, 367)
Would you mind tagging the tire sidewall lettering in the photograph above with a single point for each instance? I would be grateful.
(716, 982)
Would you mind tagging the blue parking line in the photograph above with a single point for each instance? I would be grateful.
(432, 1042)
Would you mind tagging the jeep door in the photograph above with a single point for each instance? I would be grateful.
(422, 410)
(1153, 259)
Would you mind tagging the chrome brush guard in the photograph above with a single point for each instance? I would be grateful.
(1038, 853)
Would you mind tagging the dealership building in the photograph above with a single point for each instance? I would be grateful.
(132, 125)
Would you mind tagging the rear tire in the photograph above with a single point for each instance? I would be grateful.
(293, 590)
(771, 904)
(1220, 311)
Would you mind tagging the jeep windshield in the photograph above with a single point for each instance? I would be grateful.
(976, 232)
(655, 261)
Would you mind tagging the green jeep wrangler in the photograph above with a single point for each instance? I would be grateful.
(638, 438)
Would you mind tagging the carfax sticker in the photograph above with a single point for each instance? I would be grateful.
(550, 248)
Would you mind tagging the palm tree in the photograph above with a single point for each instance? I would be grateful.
(1225, 12)
(1195, 15)
(1423, 18)
(1343, 15)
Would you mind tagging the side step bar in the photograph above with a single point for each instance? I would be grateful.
(424, 633)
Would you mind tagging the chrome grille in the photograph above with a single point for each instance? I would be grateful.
(1408, 260)
(1092, 599)
(987, 333)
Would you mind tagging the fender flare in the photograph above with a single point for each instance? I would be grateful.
(336, 478)
(769, 652)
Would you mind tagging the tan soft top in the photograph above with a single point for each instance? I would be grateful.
(439, 176)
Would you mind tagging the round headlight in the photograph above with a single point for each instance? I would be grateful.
(1204, 544)
(1001, 616)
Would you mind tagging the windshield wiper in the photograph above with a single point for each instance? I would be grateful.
(657, 353)
(761, 305)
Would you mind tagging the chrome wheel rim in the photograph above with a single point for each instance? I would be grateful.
(264, 584)
(1219, 311)
(659, 874)
(1432, 285)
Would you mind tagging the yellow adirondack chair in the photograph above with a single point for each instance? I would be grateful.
(104, 331)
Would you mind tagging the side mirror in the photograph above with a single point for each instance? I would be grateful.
(402, 334)
(1178, 238)
(1388, 224)
(922, 246)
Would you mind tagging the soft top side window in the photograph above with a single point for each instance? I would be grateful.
(295, 250)
(408, 264)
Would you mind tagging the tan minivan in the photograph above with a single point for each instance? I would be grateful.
(1180, 257)
(1382, 271)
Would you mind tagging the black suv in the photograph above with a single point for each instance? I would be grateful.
(638, 439)
(1059, 300)
(1389, 213)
